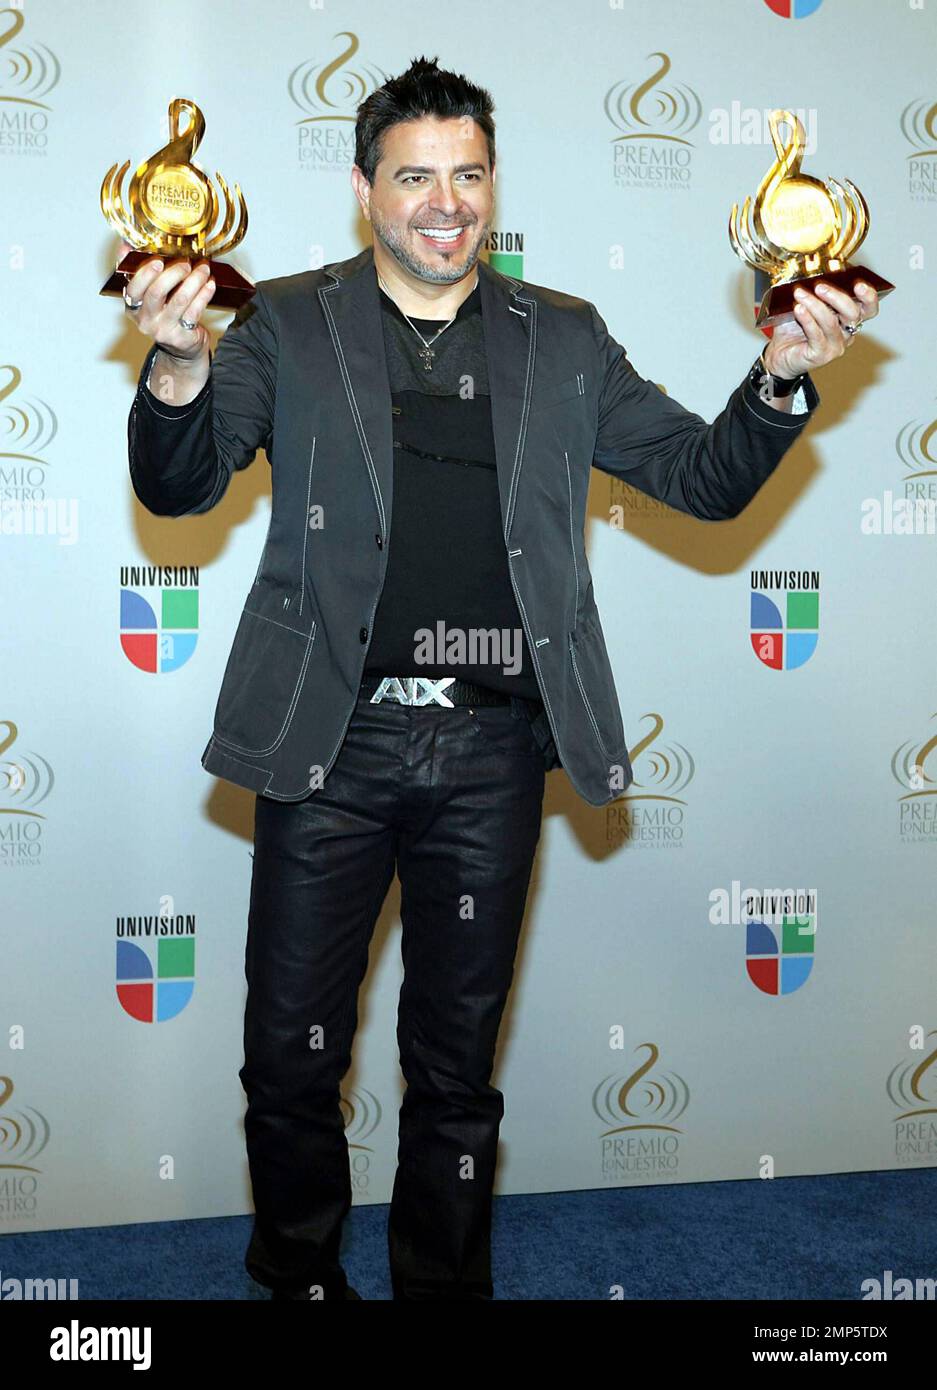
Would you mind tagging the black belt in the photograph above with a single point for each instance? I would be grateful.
(423, 690)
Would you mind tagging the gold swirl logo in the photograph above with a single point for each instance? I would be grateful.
(26, 426)
(909, 767)
(32, 71)
(660, 772)
(905, 1085)
(917, 449)
(645, 1100)
(332, 91)
(919, 127)
(25, 781)
(651, 110)
(23, 1135)
(362, 1115)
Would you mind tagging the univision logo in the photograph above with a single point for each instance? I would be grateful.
(643, 1139)
(779, 957)
(155, 981)
(158, 626)
(506, 253)
(785, 617)
(794, 9)
(329, 94)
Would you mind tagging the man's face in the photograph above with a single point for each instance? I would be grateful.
(433, 195)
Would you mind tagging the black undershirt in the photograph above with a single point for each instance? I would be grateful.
(447, 561)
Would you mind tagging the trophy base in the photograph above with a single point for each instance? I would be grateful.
(232, 289)
(778, 304)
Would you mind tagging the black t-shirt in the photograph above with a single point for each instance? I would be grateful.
(448, 592)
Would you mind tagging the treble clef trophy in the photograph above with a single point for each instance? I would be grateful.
(798, 230)
(173, 210)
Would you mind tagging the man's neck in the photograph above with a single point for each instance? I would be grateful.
(423, 299)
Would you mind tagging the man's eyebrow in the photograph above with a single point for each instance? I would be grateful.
(428, 169)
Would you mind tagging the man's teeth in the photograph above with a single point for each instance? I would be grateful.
(441, 233)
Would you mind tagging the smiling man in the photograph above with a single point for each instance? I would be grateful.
(420, 643)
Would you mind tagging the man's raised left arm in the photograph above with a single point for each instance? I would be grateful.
(713, 471)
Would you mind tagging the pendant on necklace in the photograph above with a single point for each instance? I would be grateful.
(427, 355)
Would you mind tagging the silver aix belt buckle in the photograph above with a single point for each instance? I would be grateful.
(413, 690)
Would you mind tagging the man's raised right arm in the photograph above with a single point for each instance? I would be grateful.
(194, 418)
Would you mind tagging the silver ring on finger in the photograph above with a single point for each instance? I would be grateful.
(186, 323)
(131, 303)
(851, 329)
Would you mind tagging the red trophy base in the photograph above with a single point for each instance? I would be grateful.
(778, 304)
(231, 288)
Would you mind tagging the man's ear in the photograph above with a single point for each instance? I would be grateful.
(362, 190)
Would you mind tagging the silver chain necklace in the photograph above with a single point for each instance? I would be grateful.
(426, 353)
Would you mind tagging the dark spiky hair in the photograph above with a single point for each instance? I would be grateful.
(424, 89)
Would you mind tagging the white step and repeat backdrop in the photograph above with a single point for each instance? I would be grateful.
(727, 973)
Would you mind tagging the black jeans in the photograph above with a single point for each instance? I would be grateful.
(451, 799)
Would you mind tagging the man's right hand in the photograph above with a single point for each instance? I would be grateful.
(160, 320)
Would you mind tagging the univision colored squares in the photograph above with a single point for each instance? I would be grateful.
(507, 262)
(162, 646)
(794, 9)
(149, 999)
(780, 967)
(785, 644)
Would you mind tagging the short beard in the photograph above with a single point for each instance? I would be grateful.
(444, 275)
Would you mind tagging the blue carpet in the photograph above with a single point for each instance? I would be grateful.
(786, 1238)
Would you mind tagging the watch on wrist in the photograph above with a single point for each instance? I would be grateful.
(770, 387)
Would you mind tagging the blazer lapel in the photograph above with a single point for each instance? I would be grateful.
(352, 308)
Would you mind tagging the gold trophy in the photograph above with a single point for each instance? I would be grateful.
(798, 230)
(174, 210)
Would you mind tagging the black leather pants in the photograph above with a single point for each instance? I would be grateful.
(451, 799)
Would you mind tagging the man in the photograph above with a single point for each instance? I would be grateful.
(431, 426)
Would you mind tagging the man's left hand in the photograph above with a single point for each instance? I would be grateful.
(827, 322)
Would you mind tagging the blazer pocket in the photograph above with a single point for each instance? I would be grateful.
(596, 684)
(263, 680)
(569, 388)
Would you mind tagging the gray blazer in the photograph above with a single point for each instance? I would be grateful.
(301, 373)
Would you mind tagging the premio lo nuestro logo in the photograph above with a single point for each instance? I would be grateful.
(917, 448)
(23, 1133)
(914, 768)
(158, 615)
(794, 9)
(26, 780)
(641, 1110)
(912, 1089)
(919, 128)
(329, 94)
(785, 617)
(653, 120)
(32, 69)
(155, 981)
(361, 1113)
(27, 428)
(28, 73)
(652, 812)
